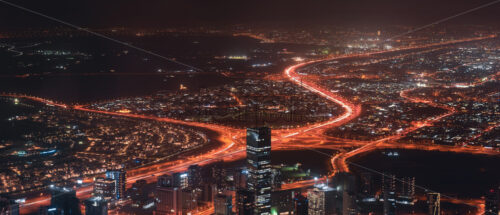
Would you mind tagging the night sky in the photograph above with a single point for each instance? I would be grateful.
(160, 13)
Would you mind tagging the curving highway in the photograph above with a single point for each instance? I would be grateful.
(233, 146)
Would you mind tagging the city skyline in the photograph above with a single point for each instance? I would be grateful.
(196, 108)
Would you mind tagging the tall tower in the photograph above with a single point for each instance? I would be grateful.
(104, 188)
(491, 202)
(194, 176)
(389, 194)
(324, 201)
(433, 200)
(223, 204)
(96, 206)
(65, 200)
(169, 196)
(120, 182)
(259, 168)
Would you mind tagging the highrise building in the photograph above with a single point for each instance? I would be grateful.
(138, 193)
(165, 181)
(407, 193)
(389, 194)
(96, 206)
(276, 178)
(323, 201)
(206, 193)
(491, 202)
(367, 187)
(434, 202)
(64, 199)
(244, 202)
(180, 179)
(194, 176)
(345, 185)
(300, 204)
(282, 201)
(240, 179)
(120, 182)
(168, 196)
(223, 204)
(50, 210)
(188, 200)
(259, 168)
(8, 206)
(104, 188)
(219, 175)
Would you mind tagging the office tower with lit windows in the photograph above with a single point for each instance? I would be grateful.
(346, 189)
(189, 200)
(64, 199)
(223, 204)
(180, 179)
(323, 201)
(244, 202)
(8, 206)
(407, 193)
(165, 181)
(259, 168)
(408, 187)
(434, 203)
(104, 188)
(120, 182)
(169, 197)
(194, 176)
(300, 204)
(240, 179)
(138, 193)
(491, 202)
(389, 193)
(96, 206)
(282, 201)
(50, 210)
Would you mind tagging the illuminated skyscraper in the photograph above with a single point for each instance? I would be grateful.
(165, 181)
(491, 202)
(169, 200)
(244, 202)
(8, 206)
(434, 202)
(96, 206)
(223, 204)
(300, 204)
(408, 187)
(104, 188)
(282, 201)
(64, 199)
(389, 194)
(194, 176)
(180, 180)
(120, 182)
(259, 168)
(168, 196)
(323, 201)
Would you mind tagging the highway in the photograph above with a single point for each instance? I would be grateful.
(233, 144)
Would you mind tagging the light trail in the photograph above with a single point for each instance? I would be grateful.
(233, 146)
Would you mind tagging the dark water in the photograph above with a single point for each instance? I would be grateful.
(455, 174)
(99, 69)
(135, 73)
(108, 70)
(95, 88)
(319, 164)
